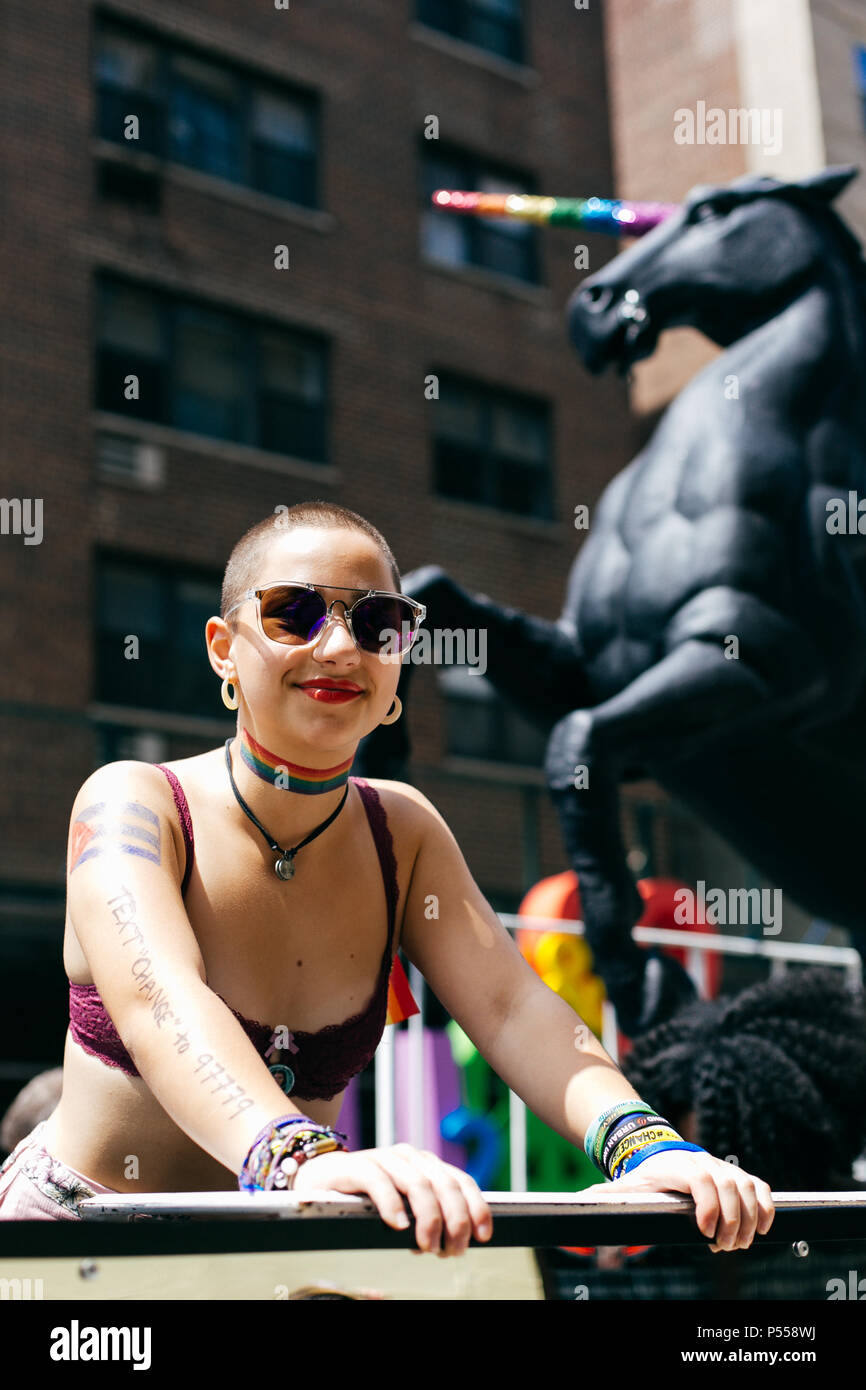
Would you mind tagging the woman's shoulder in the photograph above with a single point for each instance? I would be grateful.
(122, 777)
(406, 800)
(407, 809)
(128, 784)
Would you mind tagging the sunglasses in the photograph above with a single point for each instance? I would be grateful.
(295, 613)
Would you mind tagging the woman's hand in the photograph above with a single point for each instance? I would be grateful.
(730, 1204)
(440, 1195)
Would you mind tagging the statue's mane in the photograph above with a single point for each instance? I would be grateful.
(824, 218)
(839, 233)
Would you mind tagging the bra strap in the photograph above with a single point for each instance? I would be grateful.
(385, 850)
(183, 812)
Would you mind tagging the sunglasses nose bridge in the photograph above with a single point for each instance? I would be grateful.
(329, 616)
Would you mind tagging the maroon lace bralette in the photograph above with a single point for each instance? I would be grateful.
(324, 1062)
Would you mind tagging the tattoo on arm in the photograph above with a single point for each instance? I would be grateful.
(125, 826)
(123, 909)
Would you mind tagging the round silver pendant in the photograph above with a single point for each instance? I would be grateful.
(284, 868)
(284, 1075)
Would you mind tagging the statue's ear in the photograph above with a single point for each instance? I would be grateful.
(698, 193)
(829, 183)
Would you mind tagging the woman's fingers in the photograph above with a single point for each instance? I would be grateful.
(731, 1206)
(748, 1209)
(744, 1208)
(766, 1206)
(357, 1172)
(448, 1205)
(420, 1193)
(479, 1210)
(727, 1232)
(707, 1204)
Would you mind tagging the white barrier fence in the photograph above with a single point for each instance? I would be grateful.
(780, 954)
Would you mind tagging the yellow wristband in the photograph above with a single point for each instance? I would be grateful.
(639, 1140)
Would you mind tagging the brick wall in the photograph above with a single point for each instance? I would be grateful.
(663, 55)
(355, 276)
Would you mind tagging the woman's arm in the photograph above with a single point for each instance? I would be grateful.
(538, 1044)
(125, 904)
(540, 1047)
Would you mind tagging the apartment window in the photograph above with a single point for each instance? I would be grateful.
(500, 244)
(205, 118)
(205, 114)
(480, 724)
(129, 82)
(860, 78)
(214, 372)
(495, 25)
(150, 649)
(492, 447)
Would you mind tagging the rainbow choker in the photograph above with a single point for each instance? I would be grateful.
(291, 777)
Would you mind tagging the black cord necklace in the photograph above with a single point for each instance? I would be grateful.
(284, 867)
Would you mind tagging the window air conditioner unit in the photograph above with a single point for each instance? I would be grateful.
(130, 460)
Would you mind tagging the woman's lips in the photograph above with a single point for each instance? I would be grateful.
(329, 697)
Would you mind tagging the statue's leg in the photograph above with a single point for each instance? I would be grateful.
(674, 704)
(533, 663)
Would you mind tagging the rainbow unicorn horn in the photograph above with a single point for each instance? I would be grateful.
(595, 214)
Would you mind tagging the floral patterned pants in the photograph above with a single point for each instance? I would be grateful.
(35, 1186)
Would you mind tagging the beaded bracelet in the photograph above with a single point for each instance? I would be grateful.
(635, 1158)
(310, 1142)
(259, 1174)
(280, 1122)
(261, 1151)
(290, 1159)
(272, 1135)
(272, 1144)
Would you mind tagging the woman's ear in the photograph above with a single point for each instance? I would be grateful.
(218, 639)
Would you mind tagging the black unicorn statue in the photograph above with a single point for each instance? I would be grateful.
(713, 634)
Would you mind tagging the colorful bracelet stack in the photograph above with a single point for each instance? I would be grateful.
(278, 1151)
(623, 1136)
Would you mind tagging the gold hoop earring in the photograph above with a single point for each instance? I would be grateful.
(394, 712)
(234, 702)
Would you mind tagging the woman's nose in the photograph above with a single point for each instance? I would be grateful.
(335, 631)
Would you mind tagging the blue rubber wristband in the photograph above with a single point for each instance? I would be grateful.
(638, 1157)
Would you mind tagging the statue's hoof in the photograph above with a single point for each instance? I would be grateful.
(644, 999)
(566, 757)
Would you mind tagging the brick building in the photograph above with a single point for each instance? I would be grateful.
(805, 59)
(224, 290)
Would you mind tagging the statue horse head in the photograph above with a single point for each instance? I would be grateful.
(732, 257)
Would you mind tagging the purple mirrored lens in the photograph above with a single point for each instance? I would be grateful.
(381, 621)
(292, 614)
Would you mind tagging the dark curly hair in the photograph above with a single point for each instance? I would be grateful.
(776, 1075)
